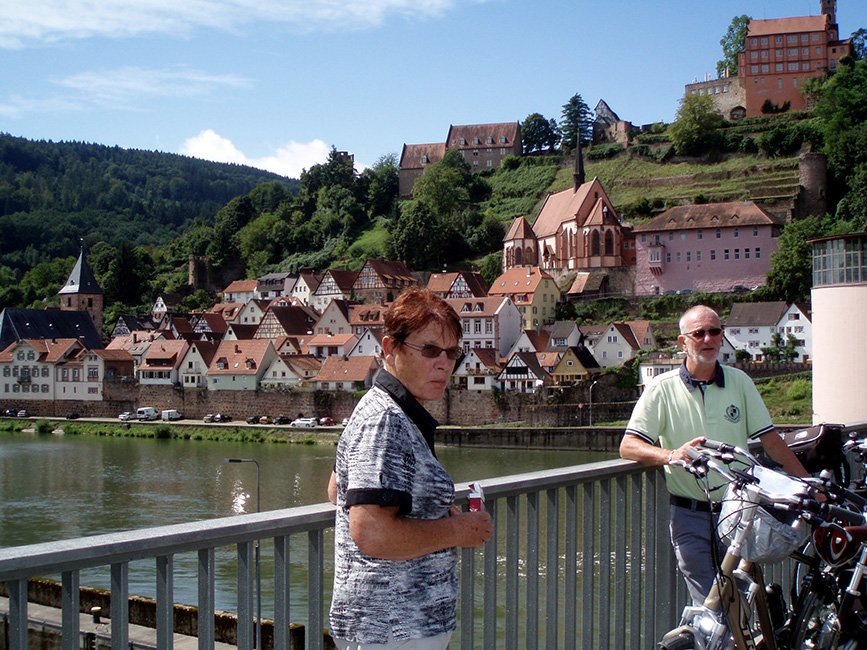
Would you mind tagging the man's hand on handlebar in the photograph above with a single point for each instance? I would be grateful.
(681, 455)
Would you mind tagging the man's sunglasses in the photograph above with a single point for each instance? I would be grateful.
(455, 354)
(698, 335)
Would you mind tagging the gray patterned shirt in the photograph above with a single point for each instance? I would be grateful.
(384, 458)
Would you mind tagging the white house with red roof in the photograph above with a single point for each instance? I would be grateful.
(329, 345)
(195, 363)
(491, 322)
(460, 284)
(241, 291)
(478, 370)
(522, 373)
(240, 365)
(350, 374)
(369, 343)
(534, 292)
(161, 363)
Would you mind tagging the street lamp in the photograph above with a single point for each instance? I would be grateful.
(590, 405)
(256, 559)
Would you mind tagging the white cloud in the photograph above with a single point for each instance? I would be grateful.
(118, 86)
(44, 21)
(289, 160)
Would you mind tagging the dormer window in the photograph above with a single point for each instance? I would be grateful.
(424, 159)
(503, 139)
(490, 139)
(462, 140)
(477, 140)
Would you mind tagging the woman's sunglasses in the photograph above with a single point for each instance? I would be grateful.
(455, 354)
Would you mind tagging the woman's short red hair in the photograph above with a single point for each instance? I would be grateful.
(414, 309)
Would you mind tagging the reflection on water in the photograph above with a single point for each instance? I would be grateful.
(55, 487)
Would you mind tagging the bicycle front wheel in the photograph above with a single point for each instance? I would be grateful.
(816, 623)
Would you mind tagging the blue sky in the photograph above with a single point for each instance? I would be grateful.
(275, 84)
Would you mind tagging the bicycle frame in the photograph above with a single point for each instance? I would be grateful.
(724, 619)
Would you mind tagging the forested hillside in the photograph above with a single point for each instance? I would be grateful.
(53, 193)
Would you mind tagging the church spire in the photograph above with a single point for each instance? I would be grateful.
(82, 292)
(578, 174)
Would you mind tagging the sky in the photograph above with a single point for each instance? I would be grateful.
(275, 84)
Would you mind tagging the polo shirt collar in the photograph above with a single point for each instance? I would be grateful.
(692, 383)
(409, 404)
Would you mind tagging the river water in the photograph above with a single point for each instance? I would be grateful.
(56, 487)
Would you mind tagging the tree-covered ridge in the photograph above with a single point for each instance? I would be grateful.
(53, 193)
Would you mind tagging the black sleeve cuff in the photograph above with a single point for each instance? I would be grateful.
(380, 497)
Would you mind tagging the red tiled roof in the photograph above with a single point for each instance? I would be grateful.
(351, 369)
(416, 156)
(710, 215)
(787, 25)
(241, 286)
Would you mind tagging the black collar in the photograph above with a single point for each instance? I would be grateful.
(692, 383)
(410, 405)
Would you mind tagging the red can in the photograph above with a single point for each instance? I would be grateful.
(476, 498)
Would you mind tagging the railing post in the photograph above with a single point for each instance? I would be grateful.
(205, 621)
(513, 543)
(17, 614)
(552, 572)
(70, 606)
(120, 606)
(532, 634)
(281, 593)
(489, 604)
(315, 587)
(165, 603)
(245, 595)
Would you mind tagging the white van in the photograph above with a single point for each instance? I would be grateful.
(146, 413)
(171, 414)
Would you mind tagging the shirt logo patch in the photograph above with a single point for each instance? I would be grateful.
(733, 414)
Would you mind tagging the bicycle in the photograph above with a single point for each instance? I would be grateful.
(740, 612)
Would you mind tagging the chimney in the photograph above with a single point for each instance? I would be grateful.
(237, 349)
(578, 174)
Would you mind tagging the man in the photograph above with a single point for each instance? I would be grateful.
(680, 409)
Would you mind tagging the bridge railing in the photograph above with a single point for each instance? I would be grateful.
(580, 558)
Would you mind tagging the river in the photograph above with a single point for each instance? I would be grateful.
(55, 487)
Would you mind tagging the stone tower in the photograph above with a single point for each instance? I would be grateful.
(82, 292)
(813, 179)
(829, 8)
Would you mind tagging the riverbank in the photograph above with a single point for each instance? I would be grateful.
(589, 438)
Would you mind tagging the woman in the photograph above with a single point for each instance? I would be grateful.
(397, 531)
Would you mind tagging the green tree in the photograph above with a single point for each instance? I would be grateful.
(539, 134)
(858, 39)
(576, 118)
(732, 43)
(791, 275)
(418, 237)
(381, 186)
(491, 266)
(695, 129)
(129, 276)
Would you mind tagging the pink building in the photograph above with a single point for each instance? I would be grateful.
(711, 247)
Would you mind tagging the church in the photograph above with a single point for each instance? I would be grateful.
(577, 232)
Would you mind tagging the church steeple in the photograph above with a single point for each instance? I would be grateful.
(82, 292)
(578, 174)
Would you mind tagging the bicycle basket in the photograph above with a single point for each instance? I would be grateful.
(773, 536)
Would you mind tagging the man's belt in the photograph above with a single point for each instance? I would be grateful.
(693, 504)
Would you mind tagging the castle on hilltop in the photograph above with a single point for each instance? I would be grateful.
(779, 56)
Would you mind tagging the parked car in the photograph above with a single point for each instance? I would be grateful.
(344, 422)
(222, 417)
(126, 415)
(303, 423)
(146, 413)
(327, 421)
(23, 413)
(172, 414)
(209, 418)
(266, 419)
(253, 419)
(72, 415)
(10, 413)
(282, 419)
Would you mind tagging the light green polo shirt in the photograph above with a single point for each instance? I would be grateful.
(670, 412)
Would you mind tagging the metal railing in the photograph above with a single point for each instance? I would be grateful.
(580, 558)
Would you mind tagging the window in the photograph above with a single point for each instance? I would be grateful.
(737, 253)
(718, 233)
(689, 256)
(736, 233)
(678, 257)
(746, 253)
(713, 255)
(758, 253)
(668, 258)
(698, 256)
(726, 254)
(671, 236)
(793, 66)
(754, 69)
(735, 331)
(612, 338)
(699, 234)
